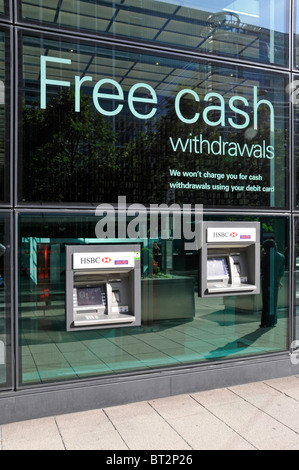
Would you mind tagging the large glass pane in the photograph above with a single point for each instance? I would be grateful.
(2, 7)
(5, 303)
(296, 35)
(177, 326)
(296, 333)
(294, 96)
(98, 123)
(255, 31)
(4, 119)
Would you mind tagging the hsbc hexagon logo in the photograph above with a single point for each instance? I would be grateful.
(233, 235)
(106, 260)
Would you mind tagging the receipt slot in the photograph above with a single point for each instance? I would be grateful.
(230, 259)
(103, 287)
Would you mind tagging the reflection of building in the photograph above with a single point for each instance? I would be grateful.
(166, 103)
(225, 27)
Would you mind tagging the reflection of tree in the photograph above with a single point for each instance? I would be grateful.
(67, 155)
(153, 153)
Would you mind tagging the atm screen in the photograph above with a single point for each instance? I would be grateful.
(89, 296)
(217, 268)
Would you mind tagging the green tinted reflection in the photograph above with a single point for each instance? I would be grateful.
(257, 30)
(177, 326)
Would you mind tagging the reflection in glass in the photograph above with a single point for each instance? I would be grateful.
(5, 342)
(296, 36)
(297, 283)
(256, 31)
(178, 327)
(123, 123)
(3, 125)
(272, 271)
(295, 101)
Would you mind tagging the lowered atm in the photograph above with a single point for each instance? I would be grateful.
(103, 285)
(230, 259)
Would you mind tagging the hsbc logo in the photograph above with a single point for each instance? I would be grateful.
(106, 260)
(232, 234)
(225, 235)
(221, 234)
(91, 260)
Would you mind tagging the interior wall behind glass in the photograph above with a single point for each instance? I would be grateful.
(151, 128)
(256, 31)
(177, 326)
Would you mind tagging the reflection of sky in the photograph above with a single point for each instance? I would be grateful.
(254, 12)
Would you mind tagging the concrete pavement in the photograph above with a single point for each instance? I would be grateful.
(258, 416)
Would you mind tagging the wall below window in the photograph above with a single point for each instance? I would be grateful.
(51, 401)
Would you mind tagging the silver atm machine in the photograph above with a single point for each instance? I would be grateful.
(230, 259)
(103, 286)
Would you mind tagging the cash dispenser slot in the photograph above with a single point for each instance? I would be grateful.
(102, 296)
(227, 272)
(229, 259)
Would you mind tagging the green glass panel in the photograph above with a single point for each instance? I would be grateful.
(177, 326)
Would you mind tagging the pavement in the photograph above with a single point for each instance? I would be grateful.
(256, 416)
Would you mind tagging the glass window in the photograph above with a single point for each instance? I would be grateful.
(100, 122)
(295, 344)
(294, 96)
(255, 31)
(5, 303)
(177, 326)
(3, 7)
(296, 35)
(4, 119)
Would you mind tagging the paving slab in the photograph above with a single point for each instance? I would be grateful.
(262, 431)
(278, 405)
(288, 385)
(89, 430)
(199, 427)
(36, 434)
(141, 427)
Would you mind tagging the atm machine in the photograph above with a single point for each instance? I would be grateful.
(230, 259)
(103, 286)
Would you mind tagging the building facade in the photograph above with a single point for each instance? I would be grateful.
(140, 122)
